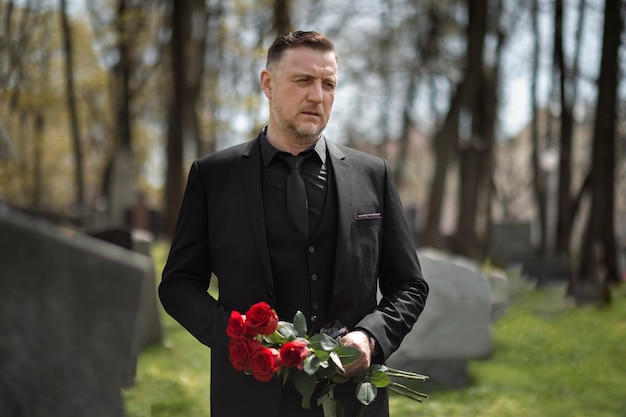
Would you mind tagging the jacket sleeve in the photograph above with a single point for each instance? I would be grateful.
(400, 278)
(187, 273)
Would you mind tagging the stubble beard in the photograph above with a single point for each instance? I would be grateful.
(299, 134)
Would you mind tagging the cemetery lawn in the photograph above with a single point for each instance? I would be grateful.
(549, 360)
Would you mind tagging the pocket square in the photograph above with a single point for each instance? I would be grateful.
(367, 216)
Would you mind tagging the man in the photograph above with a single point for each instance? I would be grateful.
(235, 222)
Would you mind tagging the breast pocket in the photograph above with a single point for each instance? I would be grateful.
(368, 219)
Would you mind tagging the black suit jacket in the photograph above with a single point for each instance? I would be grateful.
(221, 231)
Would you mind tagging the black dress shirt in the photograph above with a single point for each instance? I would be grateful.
(314, 173)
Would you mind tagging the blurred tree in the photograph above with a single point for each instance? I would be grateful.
(563, 83)
(598, 267)
(476, 144)
(187, 50)
(70, 93)
(127, 36)
(282, 17)
(426, 53)
(539, 177)
(122, 179)
(446, 139)
(28, 96)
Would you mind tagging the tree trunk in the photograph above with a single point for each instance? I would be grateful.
(539, 181)
(405, 135)
(426, 48)
(282, 17)
(447, 137)
(187, 63)
(73, 113)
(464, 241)
(598, 267)
(123, 177)
(563, 222)
(446, 148)
(582, 6)
(195, 64)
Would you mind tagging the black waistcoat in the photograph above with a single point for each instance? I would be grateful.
(302, 270)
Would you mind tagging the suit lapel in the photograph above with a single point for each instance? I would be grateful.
(345, 210)
(253, 190)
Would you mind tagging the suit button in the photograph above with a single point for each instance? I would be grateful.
(313, 318)
(315, 306)
(314, 277)
(311, 249)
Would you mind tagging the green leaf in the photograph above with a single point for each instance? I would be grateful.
(335, 358)
(366, 392)
(377, 367)
(347, 354)
(305, 385)
(299, 323)
(287, 330)
(322, 355)
(311, 365)
(380, 379)
(324, 342)
(340, 379)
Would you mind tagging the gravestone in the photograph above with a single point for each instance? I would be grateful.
(150, 331)
(509, 240)
(455, 325)
(68, 317)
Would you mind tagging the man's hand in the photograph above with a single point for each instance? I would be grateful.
(361, 341)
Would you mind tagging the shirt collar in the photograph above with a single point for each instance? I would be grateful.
(268, 151)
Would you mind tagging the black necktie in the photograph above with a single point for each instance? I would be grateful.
(297, 203)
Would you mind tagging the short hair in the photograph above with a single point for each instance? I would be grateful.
(289, 40)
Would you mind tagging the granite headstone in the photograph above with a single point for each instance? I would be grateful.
(69, 318)
(455, 325)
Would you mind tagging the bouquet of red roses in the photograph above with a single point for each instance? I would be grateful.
(265, 347)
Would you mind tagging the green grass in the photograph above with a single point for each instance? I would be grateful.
(549, 360)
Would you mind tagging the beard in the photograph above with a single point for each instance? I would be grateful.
(300, 134)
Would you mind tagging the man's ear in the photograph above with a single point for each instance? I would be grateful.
(266, 83)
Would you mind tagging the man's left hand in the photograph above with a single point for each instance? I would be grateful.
(361, 341)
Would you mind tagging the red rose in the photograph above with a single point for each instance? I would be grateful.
(264, 363)
(293, 354)
(240, 353)
(261, 319)
(236, 324)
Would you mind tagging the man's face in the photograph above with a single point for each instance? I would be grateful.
(301, 90)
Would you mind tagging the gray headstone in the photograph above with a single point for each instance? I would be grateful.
(509, 239)
(455, 325)
(68, 317)
(150, 330)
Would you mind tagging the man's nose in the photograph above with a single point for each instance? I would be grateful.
(316, 92)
